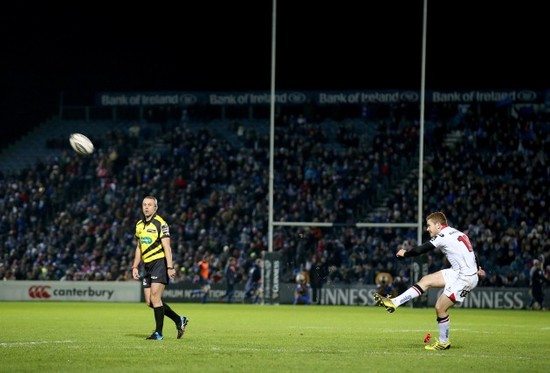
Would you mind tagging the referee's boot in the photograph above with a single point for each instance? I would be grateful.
(156, 336)
(181, 326)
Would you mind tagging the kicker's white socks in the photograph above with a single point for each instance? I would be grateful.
(443, 324)
(413, 292)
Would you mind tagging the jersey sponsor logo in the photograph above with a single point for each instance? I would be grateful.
(146, 240)
(149, 230)
(39, 291)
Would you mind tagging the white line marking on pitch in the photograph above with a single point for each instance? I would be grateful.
(15, 344)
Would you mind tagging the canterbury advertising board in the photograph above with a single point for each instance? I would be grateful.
(80, 291)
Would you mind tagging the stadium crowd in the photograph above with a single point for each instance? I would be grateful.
(73, 218)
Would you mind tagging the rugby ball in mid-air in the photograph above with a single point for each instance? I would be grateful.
(81, 144)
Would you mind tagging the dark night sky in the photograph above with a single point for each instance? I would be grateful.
(226, 45)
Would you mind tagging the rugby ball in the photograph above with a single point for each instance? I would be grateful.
(81, 144)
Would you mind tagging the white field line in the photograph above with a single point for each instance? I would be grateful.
(343, 352)
(30, 343)
(301, 327)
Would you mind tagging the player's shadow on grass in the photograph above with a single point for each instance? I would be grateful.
(140, 336)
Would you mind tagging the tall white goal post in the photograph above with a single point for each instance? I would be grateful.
(271, 260)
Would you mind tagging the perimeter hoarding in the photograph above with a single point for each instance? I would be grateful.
(331, 294)
(76, 291)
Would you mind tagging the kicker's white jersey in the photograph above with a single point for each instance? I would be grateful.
(457, 248)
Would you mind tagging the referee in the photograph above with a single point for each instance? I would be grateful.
(153, 248)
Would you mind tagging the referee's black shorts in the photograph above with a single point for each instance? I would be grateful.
(155, 271)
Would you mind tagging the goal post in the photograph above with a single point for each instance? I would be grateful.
(421, 261)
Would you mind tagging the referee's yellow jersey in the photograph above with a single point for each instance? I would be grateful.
(149, 235)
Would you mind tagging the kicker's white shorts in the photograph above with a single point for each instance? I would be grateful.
(457, 287)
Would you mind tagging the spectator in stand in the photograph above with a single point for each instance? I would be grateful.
(302, 289)
(203, 273)
(384, 284)
(537, 281)
(400, 285)
(230, 274)
(253, 290)
(318, 275)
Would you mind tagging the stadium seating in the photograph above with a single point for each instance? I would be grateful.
(211, 180)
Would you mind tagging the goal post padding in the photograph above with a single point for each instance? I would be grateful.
(270, 277)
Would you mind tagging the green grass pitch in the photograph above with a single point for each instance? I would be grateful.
(110, 337)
